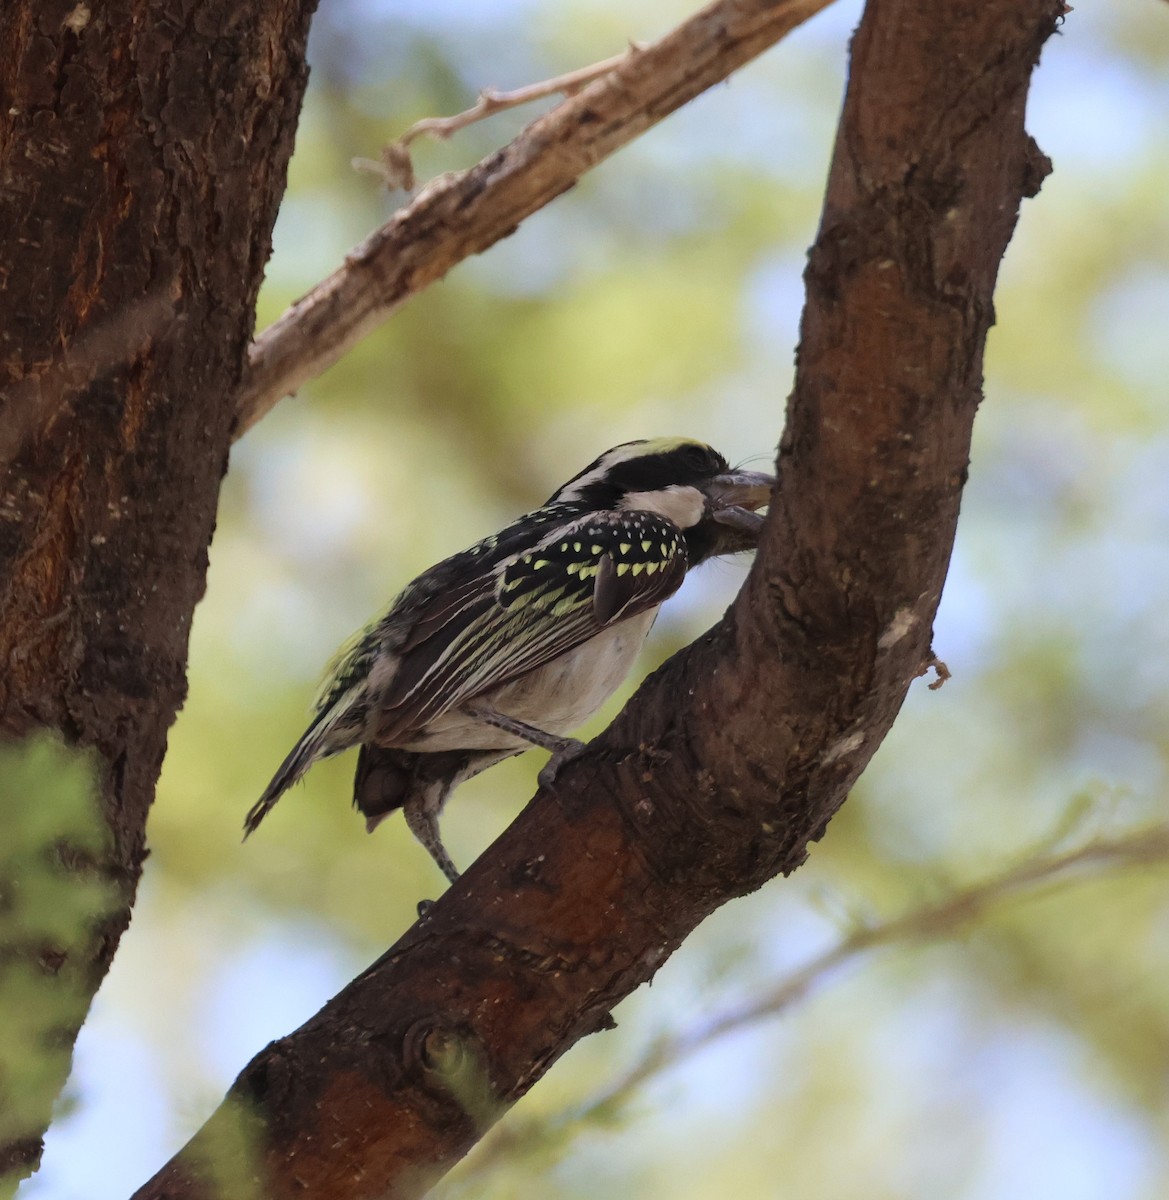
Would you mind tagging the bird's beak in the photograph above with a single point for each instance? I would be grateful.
(735, 496)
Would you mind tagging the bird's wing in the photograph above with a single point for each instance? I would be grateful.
(528, 609)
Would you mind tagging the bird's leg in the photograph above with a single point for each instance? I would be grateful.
(563, 749)
(422, 820)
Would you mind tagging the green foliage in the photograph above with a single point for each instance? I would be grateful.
(51, 898)
(226, 1154)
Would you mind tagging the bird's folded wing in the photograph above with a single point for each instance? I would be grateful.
(531, 608)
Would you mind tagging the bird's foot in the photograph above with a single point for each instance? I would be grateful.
(423, 824)
(564, 753)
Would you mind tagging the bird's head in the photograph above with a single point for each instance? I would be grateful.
(685, 481)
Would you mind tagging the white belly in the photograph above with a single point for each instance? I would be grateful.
(556, 697)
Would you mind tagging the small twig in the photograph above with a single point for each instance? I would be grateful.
(940, 670)
(943, 918)
(394, 165)
(490, 101)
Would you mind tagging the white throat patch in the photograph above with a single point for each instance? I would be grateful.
(679, 503)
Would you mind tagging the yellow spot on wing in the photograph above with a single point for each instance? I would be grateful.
(622, 568)
(650, 568)
(646, 546)
(625, 547)
(597, 549)
(638, 568)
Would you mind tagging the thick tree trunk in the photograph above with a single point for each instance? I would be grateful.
(735, 755)
(143, 149)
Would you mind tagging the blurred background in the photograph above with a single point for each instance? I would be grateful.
(1028, 1055)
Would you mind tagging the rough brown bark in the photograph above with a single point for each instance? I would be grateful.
(143, 149)
(734, 756)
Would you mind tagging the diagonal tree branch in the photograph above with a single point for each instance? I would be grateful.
(458, 215)
(733, 756)
(950, 916)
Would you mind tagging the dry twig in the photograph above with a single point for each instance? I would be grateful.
(396, 168)
(458, 215)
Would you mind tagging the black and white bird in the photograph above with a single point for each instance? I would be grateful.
(519, 639)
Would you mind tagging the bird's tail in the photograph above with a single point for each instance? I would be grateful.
(314, 743)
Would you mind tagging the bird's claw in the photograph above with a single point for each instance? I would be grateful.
(569, 749)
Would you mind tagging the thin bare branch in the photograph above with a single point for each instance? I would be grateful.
(461, 214)
(947, 917)
(396, 168)
(491, 102)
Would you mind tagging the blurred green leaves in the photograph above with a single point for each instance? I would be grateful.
(52, 898)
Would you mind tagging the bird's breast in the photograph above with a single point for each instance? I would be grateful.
(557, 697)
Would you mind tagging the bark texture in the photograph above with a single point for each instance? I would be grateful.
(143, 147)
(734, 756)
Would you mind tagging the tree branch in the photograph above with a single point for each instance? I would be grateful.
(947, 917)
(733, 756)
(458, 215)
